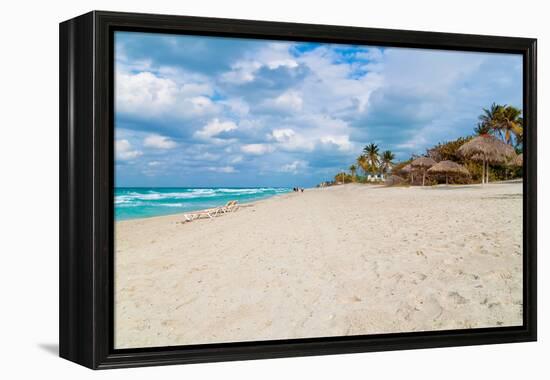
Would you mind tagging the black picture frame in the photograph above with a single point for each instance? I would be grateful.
(86, 189)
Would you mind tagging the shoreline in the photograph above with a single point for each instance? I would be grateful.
(181, 214)
(199, 209)
(309, 189)
(341, 260)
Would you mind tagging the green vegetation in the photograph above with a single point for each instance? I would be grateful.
(369, 161)
(343, 177)
(353, 171)
(387, 161)
(503, 122)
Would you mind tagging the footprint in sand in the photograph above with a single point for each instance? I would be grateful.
(457, 298)
(421, 254)
(420, 276)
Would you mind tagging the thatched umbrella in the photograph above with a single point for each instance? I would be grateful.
(423, 163)
(448, 168)
(407, 170)
(487, 149)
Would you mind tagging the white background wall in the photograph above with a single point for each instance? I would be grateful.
(29, 190)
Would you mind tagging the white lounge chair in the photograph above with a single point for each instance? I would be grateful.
(230, 206)
(211, 213)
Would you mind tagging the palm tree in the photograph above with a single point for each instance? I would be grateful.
(482, 129)
(353, 170)
(510, 123)
(372, 157)
(519, 141)
(489, 118)
(387, 160)
(363, 163)
(503, 120)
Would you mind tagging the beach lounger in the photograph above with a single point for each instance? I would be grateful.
(197, 215)
(230, 206)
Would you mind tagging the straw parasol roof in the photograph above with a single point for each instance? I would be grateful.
(487, 149)
(406, 169)
(448, 168)
(423, 163)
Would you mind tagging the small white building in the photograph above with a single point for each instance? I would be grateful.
(376, 177)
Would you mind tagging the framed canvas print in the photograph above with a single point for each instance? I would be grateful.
(236, 189)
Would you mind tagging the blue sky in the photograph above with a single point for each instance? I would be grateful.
(208, 111)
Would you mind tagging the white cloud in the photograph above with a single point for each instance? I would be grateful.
(256, 149)
(124, 151)
(222, 169)
(241, 72)
(238, 106)
(294, 167)
(196, 89)
(207, 156)
(159, 142)
(288, 101)
(290, 63)
(147, 94)
(201, 102)
(273, 56)
(311, 131)
(287, 139)
(283, 135)
(342, 142)
(334, 86)
(214, 128)
(144, 89)
(236, 159)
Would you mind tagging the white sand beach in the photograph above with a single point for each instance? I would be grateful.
(343, 260)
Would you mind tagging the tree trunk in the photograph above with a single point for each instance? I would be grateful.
(423, 177)
(483, 173)
(487, 181)
(446, 179)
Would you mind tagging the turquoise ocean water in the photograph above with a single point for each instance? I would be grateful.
(143, 202)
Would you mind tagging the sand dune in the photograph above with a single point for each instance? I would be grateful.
(344, 260)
